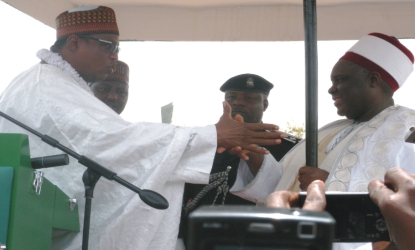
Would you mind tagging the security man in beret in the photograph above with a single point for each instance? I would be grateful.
(247, 94)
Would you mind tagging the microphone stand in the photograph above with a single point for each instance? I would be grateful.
(91, 176)
(89, 179)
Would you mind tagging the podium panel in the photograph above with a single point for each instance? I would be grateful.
(6, 180)
(31, 216)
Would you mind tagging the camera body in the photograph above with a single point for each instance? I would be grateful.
(357, 218)
(232, 227)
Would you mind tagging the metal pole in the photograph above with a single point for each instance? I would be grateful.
(311, 83)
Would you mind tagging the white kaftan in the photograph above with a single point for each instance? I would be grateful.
(365, 154)
(54, 100)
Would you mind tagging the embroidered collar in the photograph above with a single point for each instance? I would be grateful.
(356, 124)
(56, 60)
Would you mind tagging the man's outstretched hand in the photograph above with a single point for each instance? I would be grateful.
(244, 136)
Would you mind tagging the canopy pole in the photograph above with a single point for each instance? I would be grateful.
(311, 82)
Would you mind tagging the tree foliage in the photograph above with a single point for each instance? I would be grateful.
(296, 130)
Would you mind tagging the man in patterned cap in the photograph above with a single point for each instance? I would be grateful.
(88, 39)
(354, 151)
(113, 91)
(53, 98)
(247, 94)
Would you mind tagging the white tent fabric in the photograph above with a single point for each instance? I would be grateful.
(239, 20)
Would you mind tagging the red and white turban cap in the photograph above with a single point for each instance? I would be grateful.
(385, 55)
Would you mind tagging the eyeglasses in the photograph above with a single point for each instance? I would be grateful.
(111, 46)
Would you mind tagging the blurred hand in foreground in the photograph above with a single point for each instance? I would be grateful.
(395, 198)
(315, 198)
(308, 174)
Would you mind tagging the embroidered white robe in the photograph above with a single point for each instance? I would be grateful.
(362, 156)
(52, 99)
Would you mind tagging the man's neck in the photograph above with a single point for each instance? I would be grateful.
(374, 111)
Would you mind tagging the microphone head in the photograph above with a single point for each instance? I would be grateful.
(153, 199)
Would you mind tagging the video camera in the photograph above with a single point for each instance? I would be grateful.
(233, 227)
(357, 218)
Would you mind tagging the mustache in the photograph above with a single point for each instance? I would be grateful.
(110, 103)
(238, 110)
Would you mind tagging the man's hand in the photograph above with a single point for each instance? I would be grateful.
(315, 198)
(236, 150)
(384, 245)
(231, 133)
(308, 174)
(395, 198)
(253, 160)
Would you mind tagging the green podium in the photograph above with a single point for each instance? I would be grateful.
(28, 214)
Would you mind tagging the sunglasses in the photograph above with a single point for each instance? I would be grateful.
(111, 46)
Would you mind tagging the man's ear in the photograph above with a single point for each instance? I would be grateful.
(73, 43)
(265, 104)
(374, 79)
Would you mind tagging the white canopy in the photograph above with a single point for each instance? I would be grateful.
(239, 20)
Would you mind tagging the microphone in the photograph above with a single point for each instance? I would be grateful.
(50, 161)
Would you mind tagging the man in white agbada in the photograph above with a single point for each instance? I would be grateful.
(359, 149)
(53, 98)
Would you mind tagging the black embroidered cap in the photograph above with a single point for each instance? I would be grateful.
(247, 83)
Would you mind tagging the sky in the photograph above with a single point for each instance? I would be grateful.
(189, 74)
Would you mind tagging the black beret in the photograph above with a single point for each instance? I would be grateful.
(247, 83)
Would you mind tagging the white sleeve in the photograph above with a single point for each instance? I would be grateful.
(257, 189)
(406, 158)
